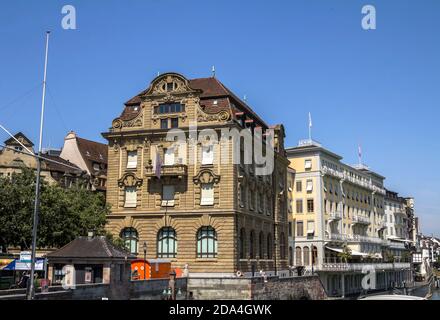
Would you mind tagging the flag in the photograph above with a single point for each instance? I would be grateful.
(158, 164)
(310, 120)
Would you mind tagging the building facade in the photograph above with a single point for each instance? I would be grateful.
(90, 156)
(338, 219)
(397, 231)
(183, 203)
(13, 159)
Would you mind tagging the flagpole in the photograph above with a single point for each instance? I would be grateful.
(31, 285)
(310, 127)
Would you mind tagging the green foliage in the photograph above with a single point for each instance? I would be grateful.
(64, 213)
(388, 256)
(116, 241)
(345, 255)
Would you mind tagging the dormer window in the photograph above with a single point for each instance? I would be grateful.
(169, 108)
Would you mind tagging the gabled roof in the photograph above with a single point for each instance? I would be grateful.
(91, 152)
(211, 88)
(22, 138)
(92, 248)
(51, 166)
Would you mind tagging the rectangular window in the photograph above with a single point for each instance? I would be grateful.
(207, 195)
(169, 157)
(290, 229)
(174, 122)
(300, 229)
(308, 164)
(310, 206)
(299, 206)
(164, 123)
(208, 154)
(130, 197)
(298, 186)
(309, 187)
(167, 195)
(169, 108)
(131, 159)
(310, 227)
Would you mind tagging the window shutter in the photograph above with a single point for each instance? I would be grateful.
(309, 185)
(207, 196)
(168, 196)
(169, 157)
(130, 197)
(131, 159)
(208, 154)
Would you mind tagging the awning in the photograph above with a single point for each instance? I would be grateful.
(4, 264)
(399, 239)
(335, 249)
(359, 254)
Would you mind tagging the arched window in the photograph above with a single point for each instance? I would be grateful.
(242, 243)
(306, 253)
(314, 255)
(282, 246)
(166, 243)
(298, 256)
(269, 246)
(130, 237)
(261, 245)
(206, 242)
(251, 245)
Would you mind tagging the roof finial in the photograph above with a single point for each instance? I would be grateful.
(245, 98)
(158, 73)
(213, 71)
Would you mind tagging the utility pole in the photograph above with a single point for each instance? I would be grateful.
(31, 286)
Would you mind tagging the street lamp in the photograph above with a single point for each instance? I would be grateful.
(145, 259)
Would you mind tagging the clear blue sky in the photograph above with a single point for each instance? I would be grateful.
(379, 88)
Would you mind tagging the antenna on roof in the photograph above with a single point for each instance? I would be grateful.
(360, 154)
(213, 71)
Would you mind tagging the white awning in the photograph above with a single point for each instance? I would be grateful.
(394, 238)
(335, 249)
(359, 254)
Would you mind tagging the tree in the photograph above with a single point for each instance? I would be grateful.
(64, 213)
(345, 255)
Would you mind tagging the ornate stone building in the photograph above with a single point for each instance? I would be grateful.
(13, 158)
(186, 204)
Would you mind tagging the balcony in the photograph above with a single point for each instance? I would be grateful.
(335, 215)
(382, 225)
(360, 220)
(351, 238)
(176, 170)
(359, 267)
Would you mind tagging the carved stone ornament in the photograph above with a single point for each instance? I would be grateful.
(129, 180)
(221, 116)
(115, 146)
(206, 176)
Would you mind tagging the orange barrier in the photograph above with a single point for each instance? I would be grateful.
(154, 269)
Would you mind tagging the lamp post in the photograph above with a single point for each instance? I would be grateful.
(145, 260)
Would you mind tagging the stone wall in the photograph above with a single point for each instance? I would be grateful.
(292, 288)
